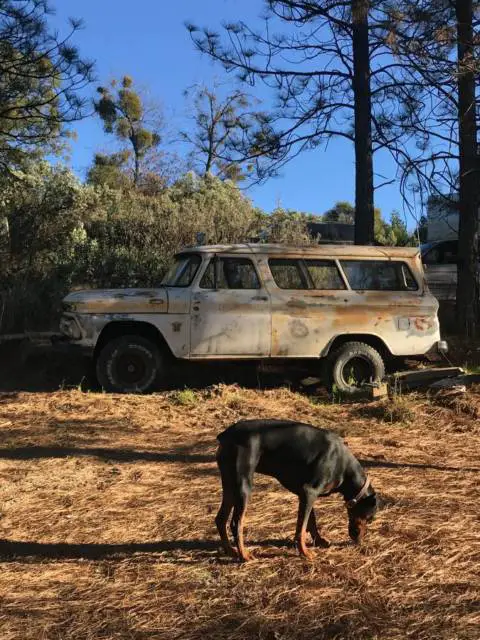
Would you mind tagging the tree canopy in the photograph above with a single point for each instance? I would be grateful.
(124, 115)
(220, 124)
(41, 75)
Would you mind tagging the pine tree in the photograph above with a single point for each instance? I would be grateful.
(436, 41)
(124, 115)
(333, 76)
(40, 79)
(220, 125)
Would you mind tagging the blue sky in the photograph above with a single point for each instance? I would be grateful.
(148, 41)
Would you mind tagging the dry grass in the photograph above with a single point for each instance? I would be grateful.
(107, 507)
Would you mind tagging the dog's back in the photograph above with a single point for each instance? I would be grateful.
(301, 442)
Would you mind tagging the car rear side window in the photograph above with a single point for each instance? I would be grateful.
(325, 274)
(288, 273)
(379, 275)
(232, 273)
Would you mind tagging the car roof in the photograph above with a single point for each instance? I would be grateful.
(313, 251)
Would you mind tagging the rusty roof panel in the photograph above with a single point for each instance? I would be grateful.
(322, 250)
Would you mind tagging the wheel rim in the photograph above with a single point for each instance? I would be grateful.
(131, 369)
(356, 371)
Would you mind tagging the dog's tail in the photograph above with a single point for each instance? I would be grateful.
(226, 434)
(234, 434)
(226, 442)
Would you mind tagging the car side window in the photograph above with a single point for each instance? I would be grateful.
(379, 275)
(325, 274)
(232, 273)
(288, 273)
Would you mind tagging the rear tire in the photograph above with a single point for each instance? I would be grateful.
(129, 364)
(353, 364)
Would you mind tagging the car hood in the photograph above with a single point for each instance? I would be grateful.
(118, 301)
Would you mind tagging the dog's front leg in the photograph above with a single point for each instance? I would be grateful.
(318, 539)
(305, 506)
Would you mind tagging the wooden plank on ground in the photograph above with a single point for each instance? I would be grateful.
(423, 377)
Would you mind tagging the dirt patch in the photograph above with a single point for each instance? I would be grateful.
(107, 506)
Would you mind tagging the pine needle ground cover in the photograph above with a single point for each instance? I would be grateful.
(107, 508)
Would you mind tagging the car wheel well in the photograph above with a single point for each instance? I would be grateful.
(117, 329)
(373, 341)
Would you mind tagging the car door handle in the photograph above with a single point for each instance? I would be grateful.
(264, 298)
(156, 301)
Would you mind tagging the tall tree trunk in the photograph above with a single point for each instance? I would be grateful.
(467, 285)
(136, 170)
(364, 207)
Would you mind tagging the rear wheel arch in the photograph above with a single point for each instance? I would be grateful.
(366, 338)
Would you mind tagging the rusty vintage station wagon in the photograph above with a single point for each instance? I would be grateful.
(354, 307)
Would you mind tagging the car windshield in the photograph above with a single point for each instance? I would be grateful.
(182, 271)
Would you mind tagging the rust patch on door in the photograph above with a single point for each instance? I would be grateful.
(298, 329)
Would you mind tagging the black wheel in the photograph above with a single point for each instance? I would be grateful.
(130, 364)
(353, 364)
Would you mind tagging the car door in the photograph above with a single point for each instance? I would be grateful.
(230, 313)
(307, 297)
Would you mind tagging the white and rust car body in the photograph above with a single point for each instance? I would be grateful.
(201, 319)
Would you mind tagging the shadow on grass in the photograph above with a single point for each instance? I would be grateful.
(183, 455)
(46, 370)
(13, 549)
(111, 455)
(415, 465)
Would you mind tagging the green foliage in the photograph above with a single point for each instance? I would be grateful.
(110, 170)
(40, 77)
(393, 233)
(124, 115)
(343, 212)
(185, 398)
(284, 226)
(399, 232)
(57, 234)
(43, 210)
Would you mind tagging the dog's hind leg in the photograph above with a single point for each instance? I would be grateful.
(247, 459)
(221, 521)
(318, 539)
(226, 461)
(238, 521)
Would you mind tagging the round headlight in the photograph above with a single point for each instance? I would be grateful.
(70, 328)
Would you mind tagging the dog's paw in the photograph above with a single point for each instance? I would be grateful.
(323, 543)
(246, 557)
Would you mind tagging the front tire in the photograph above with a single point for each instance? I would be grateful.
(129, 364)
(354, 364)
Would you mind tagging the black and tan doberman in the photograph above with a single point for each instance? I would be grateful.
(308, 461)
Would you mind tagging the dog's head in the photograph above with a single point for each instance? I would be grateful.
(360, 515)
